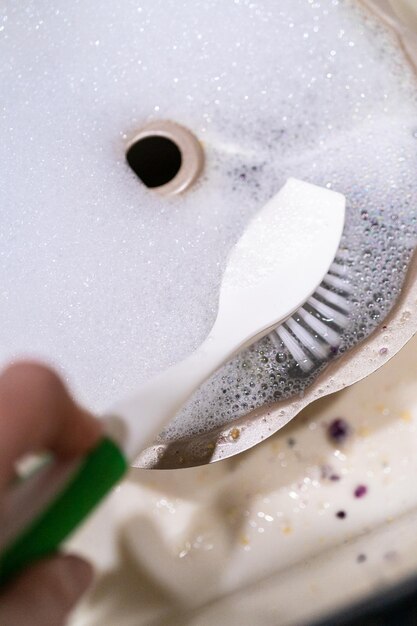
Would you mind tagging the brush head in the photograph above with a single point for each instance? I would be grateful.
(280, 259)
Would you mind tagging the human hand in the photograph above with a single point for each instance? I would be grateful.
(37, 414)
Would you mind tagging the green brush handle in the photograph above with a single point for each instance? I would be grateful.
(43, 510)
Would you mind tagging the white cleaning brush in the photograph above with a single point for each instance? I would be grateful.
(274, 267)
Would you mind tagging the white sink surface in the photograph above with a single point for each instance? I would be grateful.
(242, 541)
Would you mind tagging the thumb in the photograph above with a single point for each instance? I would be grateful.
(46, 592)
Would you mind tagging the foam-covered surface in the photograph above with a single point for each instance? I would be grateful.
(112, 283)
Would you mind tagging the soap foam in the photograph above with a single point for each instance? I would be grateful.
(114, 284)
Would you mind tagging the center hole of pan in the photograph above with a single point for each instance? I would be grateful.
(155, 159)
(166, 157)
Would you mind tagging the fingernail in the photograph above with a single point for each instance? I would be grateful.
(81, 572)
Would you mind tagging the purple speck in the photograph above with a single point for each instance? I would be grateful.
(327, 472)
(391, 555)
(341, 514)
(360, 491)
(383, 351)
(361, 558)
(338, 430)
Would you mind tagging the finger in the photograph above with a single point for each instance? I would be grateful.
(45, 593)
(37, 413)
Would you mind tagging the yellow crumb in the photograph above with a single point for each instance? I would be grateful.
(406, 416)
(286, 529)
(276, 446)
(380, 408)
(210, 446)
(232, 514)
(234, 433)
(202, 476)
(244, 539)
(363, 431)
